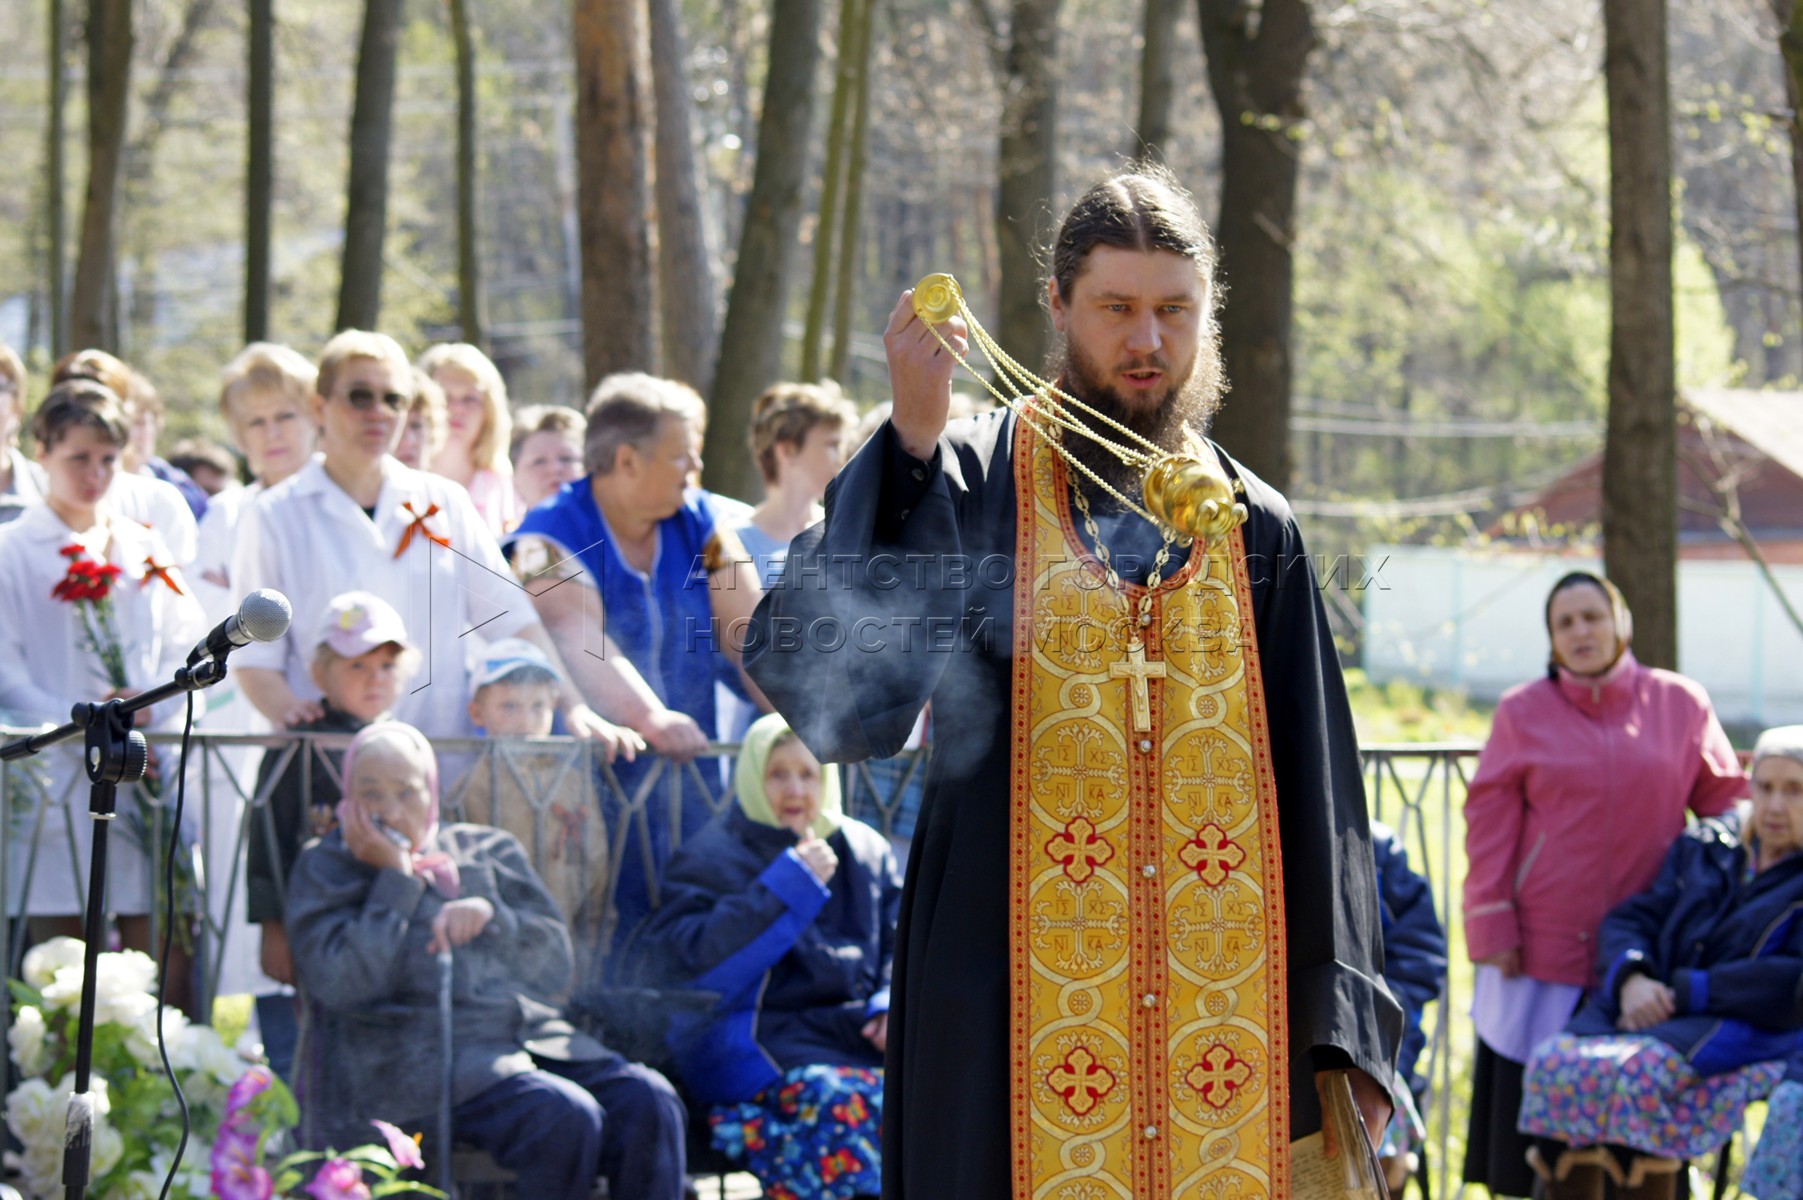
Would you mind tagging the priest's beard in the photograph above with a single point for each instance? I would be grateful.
(1188, 404)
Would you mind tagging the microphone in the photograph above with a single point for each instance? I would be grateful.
(264, 616)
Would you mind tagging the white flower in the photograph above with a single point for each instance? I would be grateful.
(127, 971)
(38, 1115)
(43, 960)
(109, 1148)
(125, 1008)
(123, 990)
(63, 991)
(28, 1038)
(35, 1113)
(139, 1185)
(141, 1042)
(214, 1057)
(42, 1168)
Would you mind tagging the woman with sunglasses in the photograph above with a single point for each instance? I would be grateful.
(356, 519)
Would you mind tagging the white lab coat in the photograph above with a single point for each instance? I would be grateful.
(211, 569)
(159, 506)
(231, 768)
(26, 488)
(46, 666)
(308, 539)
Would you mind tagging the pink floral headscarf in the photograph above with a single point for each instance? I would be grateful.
(434, 866)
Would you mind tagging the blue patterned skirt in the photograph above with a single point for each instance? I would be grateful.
(1633, 1090)
(1775, 1172)
(814, 1134)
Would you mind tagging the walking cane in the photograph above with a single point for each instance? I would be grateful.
(444, 1091)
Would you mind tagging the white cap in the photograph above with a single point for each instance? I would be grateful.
(514, 660)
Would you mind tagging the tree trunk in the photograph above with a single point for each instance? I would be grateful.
(751, 344)
(1027, 173)
(1640, 512)
(469, 266)
(614, 189)
(840, 365)
(259, 170)
(56, 204)
(109, 92)
(838, 127)
(1790, 45)
(366, 211)
(140, 167)
(1156, 81)
(1256, 78)
(685, 272)
(140, 154)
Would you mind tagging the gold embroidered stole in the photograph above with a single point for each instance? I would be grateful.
(1148, 1035)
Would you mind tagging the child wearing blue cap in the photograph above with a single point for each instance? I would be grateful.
(543, 796)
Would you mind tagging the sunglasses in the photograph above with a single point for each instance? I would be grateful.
(363, 399)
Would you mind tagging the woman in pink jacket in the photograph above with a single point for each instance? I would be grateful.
(1601, 746)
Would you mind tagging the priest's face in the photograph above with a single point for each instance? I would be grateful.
(1138, 344)
(792, 780)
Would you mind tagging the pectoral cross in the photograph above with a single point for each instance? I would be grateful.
(1139, 670)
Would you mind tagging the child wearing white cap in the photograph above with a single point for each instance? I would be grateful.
(361, 662)
(538, 794)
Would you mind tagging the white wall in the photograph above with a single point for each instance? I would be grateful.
(1472, 620)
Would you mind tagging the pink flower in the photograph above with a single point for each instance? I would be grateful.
(338, 1179)
(233, 1146)
(236, 1173)
(405, 1149)
(243, 1181)
(250, 1085)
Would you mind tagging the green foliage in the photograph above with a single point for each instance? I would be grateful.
(1401, 711)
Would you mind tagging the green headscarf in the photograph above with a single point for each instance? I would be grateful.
(748, 777)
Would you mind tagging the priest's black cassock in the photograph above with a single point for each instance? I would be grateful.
(904, 594)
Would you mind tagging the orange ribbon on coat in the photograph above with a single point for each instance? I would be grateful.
(419, 525)
(156, 570)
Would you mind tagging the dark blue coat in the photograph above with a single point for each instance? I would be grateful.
(1728, 942)
(1414, 943)
(799, 968)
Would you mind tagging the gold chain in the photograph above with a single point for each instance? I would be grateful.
(1159, 562)
(1052, 415)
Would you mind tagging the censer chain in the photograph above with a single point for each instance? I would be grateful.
(1017, 377)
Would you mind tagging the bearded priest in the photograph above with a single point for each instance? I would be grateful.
(1140, 928)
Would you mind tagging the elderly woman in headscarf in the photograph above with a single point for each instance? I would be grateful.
(1699, 1004)
(1580, 791)
(371, 908)
(785, 908)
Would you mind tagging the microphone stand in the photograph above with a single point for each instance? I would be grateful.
(115, 753)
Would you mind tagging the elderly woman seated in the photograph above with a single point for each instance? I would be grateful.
(1699, 1006)
(371, 908)
(786, 908)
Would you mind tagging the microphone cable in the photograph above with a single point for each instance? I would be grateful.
(175, 834)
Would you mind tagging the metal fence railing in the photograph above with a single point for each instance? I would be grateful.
(1412, 787)
(227, 783)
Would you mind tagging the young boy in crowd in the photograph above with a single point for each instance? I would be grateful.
(542, 796)
(360, 665)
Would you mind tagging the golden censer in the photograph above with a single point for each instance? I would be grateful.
(1187, 494)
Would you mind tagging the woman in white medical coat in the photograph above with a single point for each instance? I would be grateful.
(47, 663)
